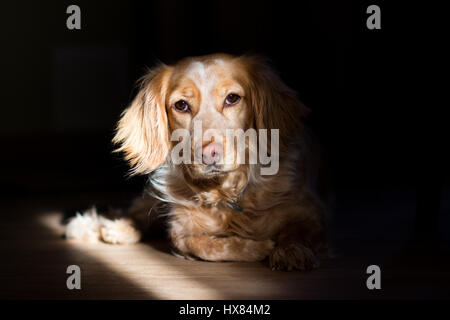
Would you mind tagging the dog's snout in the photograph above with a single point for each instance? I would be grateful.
(212, 153)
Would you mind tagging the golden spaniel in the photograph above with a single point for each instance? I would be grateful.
(219, 208)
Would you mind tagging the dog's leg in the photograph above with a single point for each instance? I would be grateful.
(113, 227)
(230, 248)
(119, 231)
(90, 226)
(298, 245)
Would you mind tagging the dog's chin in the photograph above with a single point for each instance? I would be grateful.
(206, 172)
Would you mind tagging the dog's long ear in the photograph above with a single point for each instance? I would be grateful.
(274, 104)
(142, 131)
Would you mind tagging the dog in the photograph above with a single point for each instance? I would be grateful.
(218, 208)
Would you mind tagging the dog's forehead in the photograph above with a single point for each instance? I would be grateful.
(206, 74)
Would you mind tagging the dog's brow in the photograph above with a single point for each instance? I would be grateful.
(187, 92)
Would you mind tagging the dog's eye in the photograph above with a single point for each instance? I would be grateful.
(182, 106)
(232, 99)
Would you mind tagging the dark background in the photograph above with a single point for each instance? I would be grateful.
(63, 91)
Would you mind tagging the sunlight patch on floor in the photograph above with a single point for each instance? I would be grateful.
(158, 273)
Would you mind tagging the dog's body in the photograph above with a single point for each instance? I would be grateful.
(222, 211)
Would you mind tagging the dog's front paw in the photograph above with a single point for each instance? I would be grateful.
(120, 231)
(291, 257)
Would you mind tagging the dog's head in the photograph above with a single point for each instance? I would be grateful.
(215, 94)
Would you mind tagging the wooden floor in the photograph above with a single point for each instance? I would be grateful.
(35, 258)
